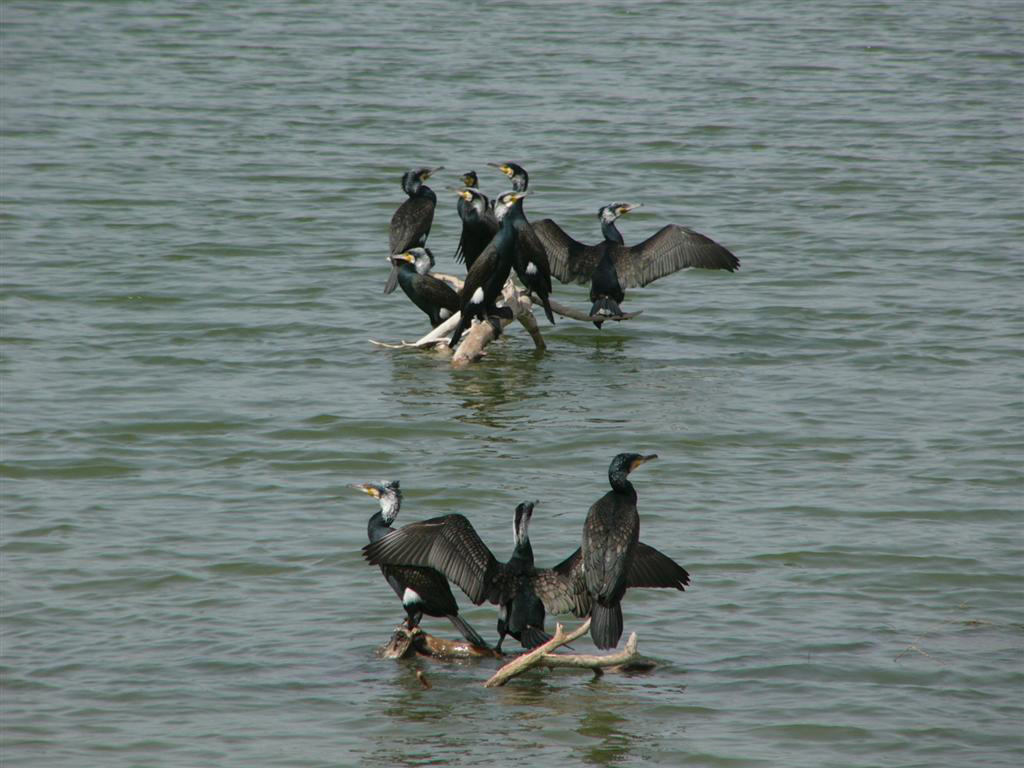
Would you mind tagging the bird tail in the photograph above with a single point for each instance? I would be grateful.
(459, 330)
(392, 282)
(604, 307)
(467, 631)
(547, 308)
(532, 637)
(606, 625)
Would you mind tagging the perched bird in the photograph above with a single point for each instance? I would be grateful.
(411, 223)
(479, 223)
(610, 564)
(435, 297)
(611, 266)
(518, 175)
(422, 590)
(487, 276)
(522, 592)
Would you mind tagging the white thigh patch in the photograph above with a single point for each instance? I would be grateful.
(410, 596)
(477, 297)
(531, 268)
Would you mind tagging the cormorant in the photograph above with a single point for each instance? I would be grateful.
(611, 535)
(489, 272)
(411, 223)
(520, 178)
(521, 591)
(611, 266)
(435, 297)
(479, 223)
(422, 590)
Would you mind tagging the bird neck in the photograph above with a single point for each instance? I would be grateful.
(620, 484)
(611, 233)
(505, 238)
(377, 528)
(520, 182)
(522, 554)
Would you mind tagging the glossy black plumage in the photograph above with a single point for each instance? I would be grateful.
(523, 592)
(421, 590)
(531, 261)
(410, 224)
(611, 266)
(435, 297)
(487, 277)
(479, 224)
(611, 535)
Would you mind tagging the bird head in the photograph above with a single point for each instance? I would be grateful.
(419, 257)
(625, 463)
(413, 179)
(474, 197)
(520, 178)
(612, 211)
(524, 512)
(506, 202)
(387, 492)
(469, 179)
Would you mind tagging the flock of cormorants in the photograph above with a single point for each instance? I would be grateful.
(419, 559)
(497, 238)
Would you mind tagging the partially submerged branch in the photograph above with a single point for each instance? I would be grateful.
(406, 643)
(543, 656)
(481, 334)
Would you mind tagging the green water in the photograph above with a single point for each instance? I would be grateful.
(195, 200)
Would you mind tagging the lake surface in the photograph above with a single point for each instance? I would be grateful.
(196, 200)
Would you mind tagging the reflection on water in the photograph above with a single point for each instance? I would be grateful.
(608, 729)
(487, 393)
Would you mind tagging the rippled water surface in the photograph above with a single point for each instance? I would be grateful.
(195, 208)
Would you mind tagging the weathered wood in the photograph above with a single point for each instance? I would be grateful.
(406, 643)
(471, 348)
(586, 317)
(527, 660)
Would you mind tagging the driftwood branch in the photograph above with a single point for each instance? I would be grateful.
(543, 656)
(575, 314)
(480, 335)
(406, 643)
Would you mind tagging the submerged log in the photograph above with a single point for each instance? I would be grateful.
(543, 656)
(406, 643)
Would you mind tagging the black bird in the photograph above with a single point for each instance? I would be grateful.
(611, 535)
(411, 223)
(531, 259)
(611, 266)
(435, 297)
(491, 269)
(422, 590)
(479, 223)
(522, 592)
(520, 178)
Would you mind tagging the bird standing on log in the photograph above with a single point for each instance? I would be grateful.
(422, 590)
(611, 266)
(487, 277)
(531, 259)
(479, 223)
(410, 224)
(611, 536)
(522, 592)
(435, 297)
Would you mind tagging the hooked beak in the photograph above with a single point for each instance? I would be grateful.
(502, 167)
(431, 171)
(463, 193)
(642, 460)
(366, 488)
(627, 207)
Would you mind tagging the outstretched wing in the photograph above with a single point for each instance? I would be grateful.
(668, 250)
(448, 543)
(562, 589)
(411, 224)
(571, 261)
(650, 568)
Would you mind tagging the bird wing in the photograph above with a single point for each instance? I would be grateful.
(411, 224)
(562, 592)
(571, 261)
(448, 543)
(650, 568)
(530, 248)
(438, 292)
(668, 250)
